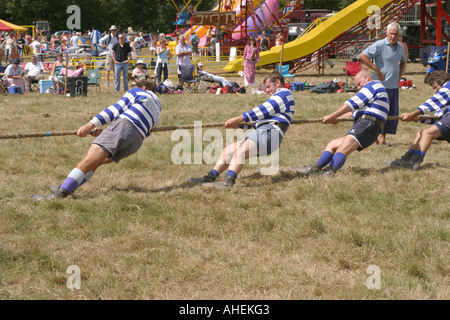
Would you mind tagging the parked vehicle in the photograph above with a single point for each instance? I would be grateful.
(437, 60)
(60, 33)
(43, 27)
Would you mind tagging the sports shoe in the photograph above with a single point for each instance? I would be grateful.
(205, 179)
(328, 173)
(58, 194)
(227, 182)
(414, 163)
(53, 189)
(309, 170)
(400, 162)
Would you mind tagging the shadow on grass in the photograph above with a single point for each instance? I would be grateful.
(288, 174)
(282, 176)
(258, 180)
(371, 171)
(184, 185)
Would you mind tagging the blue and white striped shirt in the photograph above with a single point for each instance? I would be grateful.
(279, 108)
(439, 103)
(140, 107)
(372, 100)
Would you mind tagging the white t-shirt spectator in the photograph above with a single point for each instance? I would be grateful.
(34, 70)
(139, 42)
(10, 44)
(28, 40)
(36, 45)
(10, 71)
(74, 41)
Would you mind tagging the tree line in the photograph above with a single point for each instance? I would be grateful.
(149, 16)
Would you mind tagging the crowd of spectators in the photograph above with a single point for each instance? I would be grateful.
(44, 49)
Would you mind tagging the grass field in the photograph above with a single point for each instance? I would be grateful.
(138, 230)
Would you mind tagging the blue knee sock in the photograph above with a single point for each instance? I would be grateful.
(215, 173)
(232, 174)
(73, 180)
(325, 159)
(420, 153)
(411, 151)
(338, 161)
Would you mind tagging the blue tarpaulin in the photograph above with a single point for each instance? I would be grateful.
(183, 16)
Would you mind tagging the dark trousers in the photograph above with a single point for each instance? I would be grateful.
(391, 125)
(159, 70)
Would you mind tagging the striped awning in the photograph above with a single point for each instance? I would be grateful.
(8, 26)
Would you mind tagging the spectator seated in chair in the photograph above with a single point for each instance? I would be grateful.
(14, 75)
(33, 71)
(139, 73)
(71, 73)
(59, 64)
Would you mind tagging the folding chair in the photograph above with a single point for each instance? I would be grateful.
(187, 77)
(351, 69)
(34, 85)
(93, 78)
(3, 88)
(2, 85)
(288, 77)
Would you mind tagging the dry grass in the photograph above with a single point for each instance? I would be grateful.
(137, 230)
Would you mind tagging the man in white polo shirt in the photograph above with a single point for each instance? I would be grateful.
(33, 71)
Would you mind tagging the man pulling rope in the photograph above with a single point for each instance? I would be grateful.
(136, 114)
(272, 121)
(370, 107)
(439, 103)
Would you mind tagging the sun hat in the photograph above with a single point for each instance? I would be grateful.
(113, 27)
(140, 62)
(16, 61)
(200, 64)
